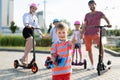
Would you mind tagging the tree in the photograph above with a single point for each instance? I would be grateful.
(65, 21)
(13, 27)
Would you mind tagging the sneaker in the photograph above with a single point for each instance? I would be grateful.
(91, 67)
(23, 62)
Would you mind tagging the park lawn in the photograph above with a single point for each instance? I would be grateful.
(117, 49)
(22, 48)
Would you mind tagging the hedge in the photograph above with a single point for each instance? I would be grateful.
(20, 41)
(12, 41)
(44, 42)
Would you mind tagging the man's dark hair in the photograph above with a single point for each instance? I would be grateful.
(91, 2)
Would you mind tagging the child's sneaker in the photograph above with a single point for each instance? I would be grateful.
(91, 67)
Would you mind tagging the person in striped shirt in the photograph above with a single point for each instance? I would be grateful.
(62, 48)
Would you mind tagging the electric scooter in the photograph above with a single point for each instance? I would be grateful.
(101, 66)
(32, 65)
(76, 61)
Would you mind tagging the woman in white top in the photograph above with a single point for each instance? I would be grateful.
(30, 21)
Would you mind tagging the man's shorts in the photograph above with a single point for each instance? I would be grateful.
(89, 40)
(27, 32)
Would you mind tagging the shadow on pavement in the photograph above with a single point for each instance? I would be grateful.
(24, 74)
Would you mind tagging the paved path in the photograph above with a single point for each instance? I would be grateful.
(7, 72)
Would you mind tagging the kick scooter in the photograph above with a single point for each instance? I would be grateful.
(76, 63)
(101, 66)
(32, 65)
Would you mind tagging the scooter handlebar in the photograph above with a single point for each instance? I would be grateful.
(109, 26)
(35, 28)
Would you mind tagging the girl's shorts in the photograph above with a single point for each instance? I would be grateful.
(27, 32)
(77, 45)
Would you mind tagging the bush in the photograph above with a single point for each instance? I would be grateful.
(13, 27)
(20, 41)
(44, 42)
(0, 35)
(12, 41)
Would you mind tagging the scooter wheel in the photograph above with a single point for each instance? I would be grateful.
(85, 64)
(16, 64)
(34, 68)
(109, 62)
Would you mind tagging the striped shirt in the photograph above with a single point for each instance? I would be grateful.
(63, 50)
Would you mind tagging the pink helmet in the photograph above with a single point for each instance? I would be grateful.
(76, 22)
(34, 5)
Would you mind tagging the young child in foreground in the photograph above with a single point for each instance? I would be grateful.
(62, 49)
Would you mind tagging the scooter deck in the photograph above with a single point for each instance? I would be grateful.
(104, 69)
(29, 66)
(108, 66)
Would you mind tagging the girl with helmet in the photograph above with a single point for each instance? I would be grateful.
(77, 44)
(30, 21)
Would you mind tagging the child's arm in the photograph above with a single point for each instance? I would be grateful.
(53, 56)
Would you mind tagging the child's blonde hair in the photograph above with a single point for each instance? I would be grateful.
(62, 26)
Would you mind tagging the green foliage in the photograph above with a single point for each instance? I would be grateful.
(117, 49)
(115, 32)
(44, 42)
(12, 41)
(0, 34)
(69, 32)
(65, 21)
(20, 41)
(13, 27)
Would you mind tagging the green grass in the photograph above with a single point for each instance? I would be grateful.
(117, 49)
(22, 48)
